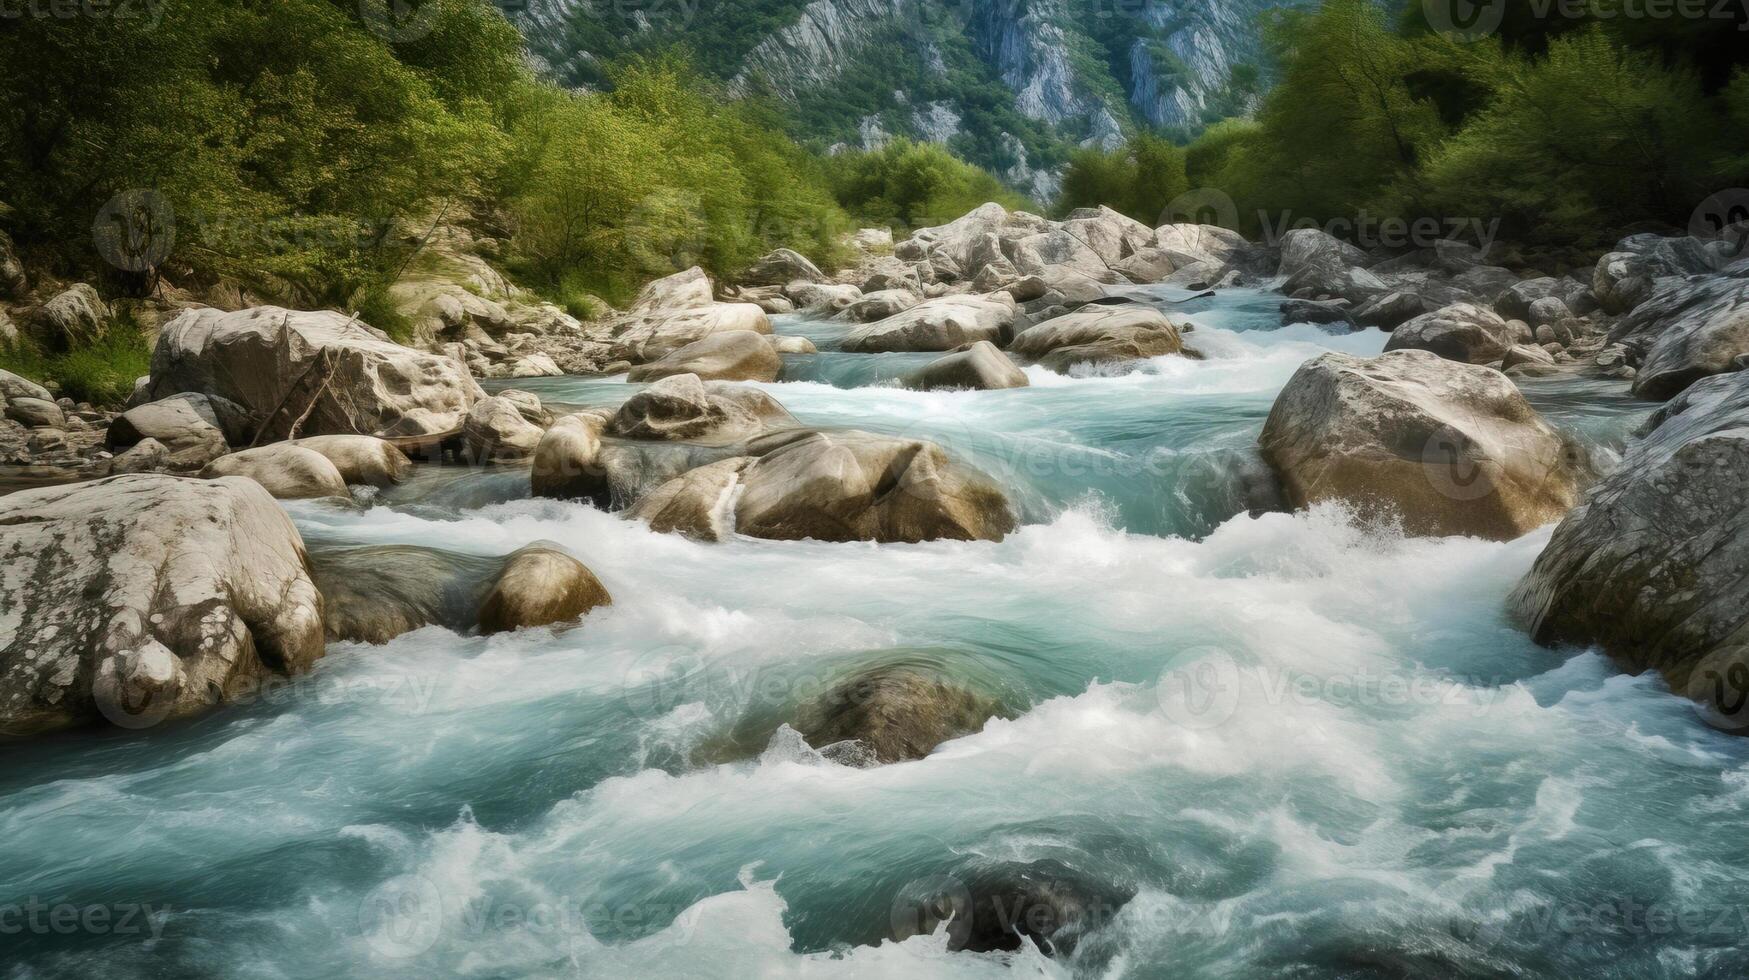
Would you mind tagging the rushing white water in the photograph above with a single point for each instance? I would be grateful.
(1393, 781)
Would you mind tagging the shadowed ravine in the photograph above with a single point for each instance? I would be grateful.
(1387, 778)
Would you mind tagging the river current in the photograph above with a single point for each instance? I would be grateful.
(1298, 744)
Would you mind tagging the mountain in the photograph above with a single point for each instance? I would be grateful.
(1012, 85)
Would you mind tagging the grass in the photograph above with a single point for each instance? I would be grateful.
(376, 307)
(102, 373)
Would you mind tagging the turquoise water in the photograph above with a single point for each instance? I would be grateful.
(1391, 782)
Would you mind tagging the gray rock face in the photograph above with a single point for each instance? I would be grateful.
(351, 378)
(496, 430)
(683, 408)
(1689, 328)
(287, 471)
(137, 599)
(782, 267)
(881, 304)
(835, 486)
(738, 355)
(76, 317)
(1449, 448)
(979, 367)
(1305, 248)
(35, 413)
(1099, 335)
(1463, 332)
(935, 325)
(188, 425)
(1650, 566)
(1625, 277)
(686, 290)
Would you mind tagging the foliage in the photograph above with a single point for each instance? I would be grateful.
(102, 373)
(913, 185)
(1140, 179)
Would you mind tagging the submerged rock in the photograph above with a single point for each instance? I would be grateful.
(1450, 448)
(1651, 565)
(141, 598)
(989, 908)
(896, 713)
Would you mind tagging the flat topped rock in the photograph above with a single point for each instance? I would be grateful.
(683, 408)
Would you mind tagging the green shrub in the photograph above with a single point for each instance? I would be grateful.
(102, 373)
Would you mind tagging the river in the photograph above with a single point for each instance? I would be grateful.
(1385, 779)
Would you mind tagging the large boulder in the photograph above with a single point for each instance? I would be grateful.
(1061, 248)
(896, 713)
(1464, 332)
(497, 431)
(361, 460)
(15, 386)
(1515, 302)
(683, 408)
(288, 471)
(141, 598)
(647, 335)
(881, 304)
(686, 290)
(567, 460)
(1448, 448)
(13, 281)
(1099, 335)
(1324, 278)
(1650, 566)
(189, 426)
(980, 366)
(739, 355)
(1203, 243)
(842, 486)
(1625, 278)
(1689, 329)
(940, 324)
(1115, 236)
(339, 375)
(75, 317)
(1307, 248)
(782, 267)
(35, 413)
(822, 297)
(540, 585)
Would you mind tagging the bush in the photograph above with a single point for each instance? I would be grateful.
(1140, 180)
(913, 185)
(102, 373)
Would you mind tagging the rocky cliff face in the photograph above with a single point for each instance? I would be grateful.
(1010, 84)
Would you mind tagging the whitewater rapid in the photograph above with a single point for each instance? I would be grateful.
(1393, 781)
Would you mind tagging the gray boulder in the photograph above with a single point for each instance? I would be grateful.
(683, 408)
(347, 377)
(881, 304)
(1448, 448)
(737, 355)
(782, 267)
(187, 425)
(13, 281)
(496, 430)
(1465, 332)
(1689, 329)
(567, 460)
(75, 317)
(361, 460)
(980, 366)
(541, 585)
(1650, 566)
(1099, 334)
(137, 599)
(940, 324)
(1308, 248)
(14, 386)
(35, 413)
